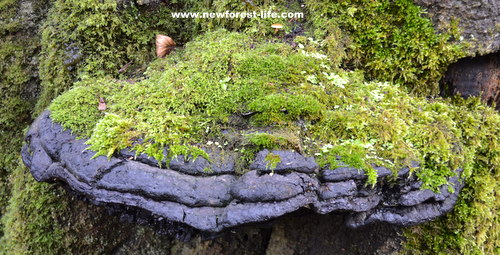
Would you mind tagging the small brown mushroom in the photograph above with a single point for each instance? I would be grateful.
(277, 27)
(164, 45)
(102, 105)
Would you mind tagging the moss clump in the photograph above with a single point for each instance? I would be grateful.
(278, 109)
(273, 141)
(191, 97)
(96, 38)
(391, 40)
(351, 153)
(44, 219)
(116, 38)
(19, 44)
(111, 132)
(472, 227)
(85, 103)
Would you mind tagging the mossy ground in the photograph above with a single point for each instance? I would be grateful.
(267, 93)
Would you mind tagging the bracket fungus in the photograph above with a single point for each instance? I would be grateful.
(212, 202)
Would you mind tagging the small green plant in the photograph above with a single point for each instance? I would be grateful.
(365, 122)
(111, 134)
(351, 153)
(270, 141)
(272, 160)
(189, 152)
(207, 170)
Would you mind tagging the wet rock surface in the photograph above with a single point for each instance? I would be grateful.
(217, 201)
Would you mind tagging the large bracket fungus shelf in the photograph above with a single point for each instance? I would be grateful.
(221, 199)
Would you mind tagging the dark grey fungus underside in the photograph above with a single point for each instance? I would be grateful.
(214, 200)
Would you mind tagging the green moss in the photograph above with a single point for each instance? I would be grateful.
(88, 38)
(18, 47)
(14, 108)
(192, 95)
(190, 152)
(8, 11)
(82, 114)
(34, 203)
(272, 141)
(391, 40)
(351, 153)
(278, 109)
(472, 226)
(111, 134)
(272, 160)
(295, 96)
(44, 219)
(82, 38)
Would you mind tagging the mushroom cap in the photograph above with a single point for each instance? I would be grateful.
(277, 25)
(164, 44)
